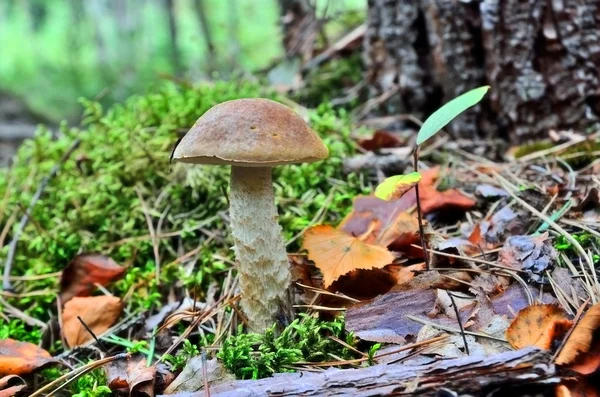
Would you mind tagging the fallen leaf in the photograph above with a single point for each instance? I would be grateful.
(394, 187)
(86, 270)
(571, 286)
(514, 299)
(97, 312)
(580, 340)
(131, 375)
(380, 139)
(538, 325)
(491, 233)
(191, 377)
(141, 378)
(10, 391)
(577, 388)
(21, 358)
(382, 223)
(433, 200)
(336, 253)
(383, 319)
(489, 283)
(404, 274)
(532, 254)
(487, 191)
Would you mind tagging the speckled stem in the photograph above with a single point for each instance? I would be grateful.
(263, 266)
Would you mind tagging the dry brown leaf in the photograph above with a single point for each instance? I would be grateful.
(86, 270)
(21, 358)
(538, 325)
(580, 340)
(132, 375)
(97, 312)
(10, 391)
(380, 139)
(335, 253)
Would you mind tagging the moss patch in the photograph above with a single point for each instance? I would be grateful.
(93, 206)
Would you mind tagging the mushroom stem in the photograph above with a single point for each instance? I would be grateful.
(263, 266)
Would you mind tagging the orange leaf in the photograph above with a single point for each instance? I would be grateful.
(21, 358)
(577, 388)
(97, 312)
(537, 325)
(581, 338)
(336, 253)
(432, 200)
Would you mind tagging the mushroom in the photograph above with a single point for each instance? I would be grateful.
(253, 136)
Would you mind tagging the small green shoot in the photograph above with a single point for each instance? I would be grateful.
(434, 123)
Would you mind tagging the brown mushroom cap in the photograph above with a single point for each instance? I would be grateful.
(250, 133)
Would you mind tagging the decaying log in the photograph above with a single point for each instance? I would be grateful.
(516, 372)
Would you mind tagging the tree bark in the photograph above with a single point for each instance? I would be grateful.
(511, 373)
(300, 28)
(541, 58)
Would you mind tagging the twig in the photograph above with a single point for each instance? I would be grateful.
(205, 374)
(420, 212)
(12, 248)
(451, 329)
(92, 334)
(76, 373)
(462, 330)
(34, 322)
(153, 236)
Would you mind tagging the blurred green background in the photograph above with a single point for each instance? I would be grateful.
(54, 51)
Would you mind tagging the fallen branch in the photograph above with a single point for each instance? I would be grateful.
(476, 376)
(12, 248)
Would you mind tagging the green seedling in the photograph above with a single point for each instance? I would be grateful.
(434, 123)
(394, 187)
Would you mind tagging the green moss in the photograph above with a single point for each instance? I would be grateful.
(577, 156)
(307, 339)
(533, 147)
(92, 205)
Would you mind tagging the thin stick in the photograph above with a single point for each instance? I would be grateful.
(155, 240)
(79, 371)
(451, 329)
(12, 248)
(92, 334)
(462, 330)
(419, 212)
(205, 374)
(568, 335)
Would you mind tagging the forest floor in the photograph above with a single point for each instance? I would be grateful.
(513, 250)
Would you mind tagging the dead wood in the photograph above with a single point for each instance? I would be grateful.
(514, 371)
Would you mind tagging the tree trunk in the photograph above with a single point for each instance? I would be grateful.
(300, 28)
(541, 58)
(174, 50)
(206, 34)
